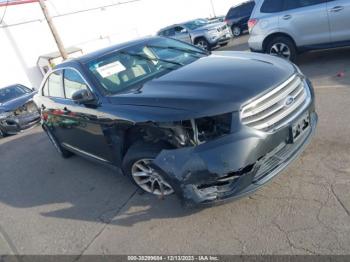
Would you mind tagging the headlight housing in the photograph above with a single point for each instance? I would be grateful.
(188, 132)
(213, 33)
(298, 70)
(209, 128)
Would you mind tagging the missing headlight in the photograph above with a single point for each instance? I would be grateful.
(209, 128)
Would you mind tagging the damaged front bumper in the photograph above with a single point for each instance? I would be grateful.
(232, 166)
(13, 125)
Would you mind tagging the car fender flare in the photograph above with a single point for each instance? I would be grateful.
(277, 34)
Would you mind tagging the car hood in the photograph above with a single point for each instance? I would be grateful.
(217, 84)
(12, 105)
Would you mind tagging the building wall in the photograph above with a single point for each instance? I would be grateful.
(88, 24)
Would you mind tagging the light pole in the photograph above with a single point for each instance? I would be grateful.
(53, 29)
(212, 6)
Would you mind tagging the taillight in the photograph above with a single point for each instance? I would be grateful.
(252, 23)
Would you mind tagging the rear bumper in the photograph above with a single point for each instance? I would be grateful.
(232, 166)
(255, 43)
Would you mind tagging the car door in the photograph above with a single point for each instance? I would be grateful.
(182, 34)
(306, 21)
(83, 129)
(50, 104)
(339, 19)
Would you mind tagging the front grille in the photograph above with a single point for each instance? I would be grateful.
(274, 108)
(223, 28)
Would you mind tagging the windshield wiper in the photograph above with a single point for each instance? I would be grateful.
(151, 59)
(187, 50)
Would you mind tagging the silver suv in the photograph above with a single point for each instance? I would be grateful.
(199, 32)
(288, 27)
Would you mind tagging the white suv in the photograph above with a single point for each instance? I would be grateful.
(288, 27)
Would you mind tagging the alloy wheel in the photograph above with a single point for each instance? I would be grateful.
(281, 50)
(203, 44)
(236, 31)
(149, 179)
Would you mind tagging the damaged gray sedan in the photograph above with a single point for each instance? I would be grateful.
(207, 127)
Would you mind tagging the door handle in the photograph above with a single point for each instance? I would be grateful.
(287, 17)
(337, 9)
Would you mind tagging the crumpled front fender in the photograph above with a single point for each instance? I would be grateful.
(187, 168)
(236, 157)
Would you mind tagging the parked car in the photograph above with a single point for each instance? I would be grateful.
(176, 119)
(17, 109)
(288, 27)
(216, 19)
(199, 32)
(238, 16)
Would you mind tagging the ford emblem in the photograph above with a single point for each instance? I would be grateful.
(289, 101)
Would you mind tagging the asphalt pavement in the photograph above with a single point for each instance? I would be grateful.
(49, 205)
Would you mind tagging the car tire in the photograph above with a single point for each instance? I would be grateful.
(63, 152)
(283, 47)
(236, 30)
(203, 43)
(136, 165)
(2, 133)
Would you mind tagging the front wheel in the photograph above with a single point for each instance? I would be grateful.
(282, 47)
(2, 133)
(203, 44)
(137, 165)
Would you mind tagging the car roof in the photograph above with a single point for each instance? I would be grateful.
(99, 53)
(243, 3)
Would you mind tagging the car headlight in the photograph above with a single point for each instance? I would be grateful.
(209, 128)
(299, 71)
(188, 132)
(5, 115)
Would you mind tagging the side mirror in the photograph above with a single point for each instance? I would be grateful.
(83, 96)
(184, 31)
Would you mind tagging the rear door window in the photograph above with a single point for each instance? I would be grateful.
(179, 30)
(247, 9)
(272, 6)
(55, 88)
